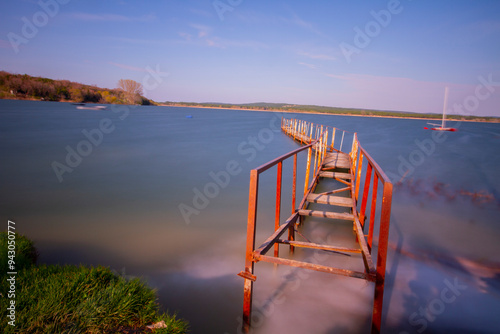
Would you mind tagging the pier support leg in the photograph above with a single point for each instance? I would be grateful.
(247, 305)
(250, 247)
(382, 258)
(377, 306)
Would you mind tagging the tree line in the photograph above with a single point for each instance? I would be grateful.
(23, 86)
(333, 110)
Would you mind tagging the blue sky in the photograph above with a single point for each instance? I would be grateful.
(387, 55)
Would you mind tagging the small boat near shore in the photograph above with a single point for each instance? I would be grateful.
(86, 107)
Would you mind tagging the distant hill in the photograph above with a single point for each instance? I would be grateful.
(286, 107)
(25, 87)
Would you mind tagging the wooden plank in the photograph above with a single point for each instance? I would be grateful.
(335, 175)
(326, 214)
(317, 267)
(264, 248)
(337, 156)
(337, 164)
(340, 160)
(367, 257)
(336, 191)
(329, 199)
(318, 246)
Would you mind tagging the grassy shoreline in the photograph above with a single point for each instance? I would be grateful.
(74, 299)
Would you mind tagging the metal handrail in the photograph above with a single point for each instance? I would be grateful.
(316, 138)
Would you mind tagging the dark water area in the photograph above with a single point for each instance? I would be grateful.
(152, 193)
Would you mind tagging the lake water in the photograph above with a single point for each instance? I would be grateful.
(106, 187)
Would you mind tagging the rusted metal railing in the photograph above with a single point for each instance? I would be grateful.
(320, 141)
(359, 155)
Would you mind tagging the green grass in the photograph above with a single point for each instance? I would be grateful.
(26, 254)
(80, 299)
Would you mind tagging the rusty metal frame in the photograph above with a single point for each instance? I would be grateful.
(316, 138)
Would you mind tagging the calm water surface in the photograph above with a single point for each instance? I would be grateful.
(106, 187)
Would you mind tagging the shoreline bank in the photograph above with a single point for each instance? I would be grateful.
(325, 113)
(290, 111)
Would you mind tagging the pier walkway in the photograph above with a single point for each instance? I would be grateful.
(337, 163)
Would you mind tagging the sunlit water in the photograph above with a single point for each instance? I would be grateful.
(118, 204)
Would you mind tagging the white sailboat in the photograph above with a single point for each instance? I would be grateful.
(442, 126)
(86, 107)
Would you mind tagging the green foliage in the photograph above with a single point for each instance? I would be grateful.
(28, 87)
(25, 256)
(71, 299)
(145, 102)
(76, 299)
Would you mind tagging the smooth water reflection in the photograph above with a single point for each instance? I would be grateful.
(120, 207)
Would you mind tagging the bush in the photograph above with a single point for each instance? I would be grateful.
(76, 299)
(25, 256)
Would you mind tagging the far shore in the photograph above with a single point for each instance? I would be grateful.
(289, 111)
(323, 113)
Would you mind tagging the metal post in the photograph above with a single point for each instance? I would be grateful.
(358, 174)
(383, 241)
(278, 205)
(306, 183)
(373, 209)
(250, 246)
(366, 190)
(342, 141)
(291, 230)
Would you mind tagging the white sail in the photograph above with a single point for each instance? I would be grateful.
(443, 122)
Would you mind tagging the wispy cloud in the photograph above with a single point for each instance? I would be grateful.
(128, 67)
(203, 36)
(304, 24)
(222, 43)
(186, 36)
(319, 56)
(296, 20)
(311, 66)
(81, 16)
(203, 31)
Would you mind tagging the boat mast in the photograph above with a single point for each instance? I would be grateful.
(443, 122)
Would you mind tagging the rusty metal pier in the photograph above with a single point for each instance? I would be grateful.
(352, 171)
